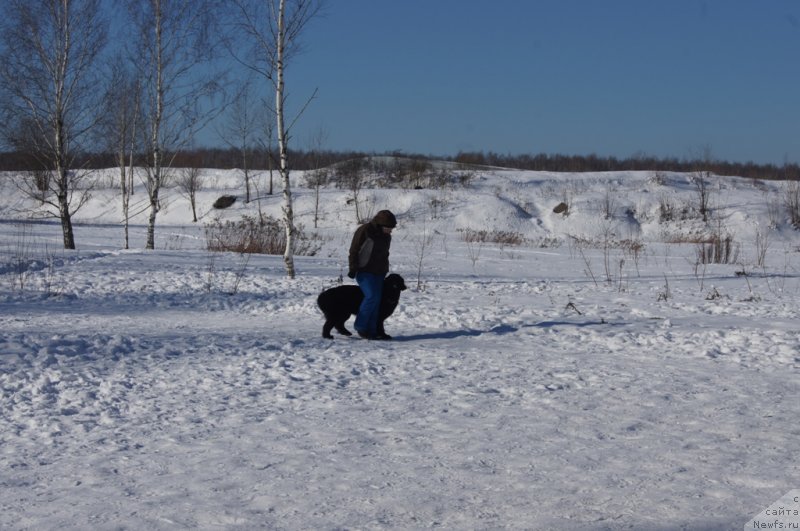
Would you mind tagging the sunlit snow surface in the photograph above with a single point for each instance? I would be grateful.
(564, 383)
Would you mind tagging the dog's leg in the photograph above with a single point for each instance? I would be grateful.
(326, 330)
(342, 330)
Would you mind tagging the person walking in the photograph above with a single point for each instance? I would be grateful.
(368, 264)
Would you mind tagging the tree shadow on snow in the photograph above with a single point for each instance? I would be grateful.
(578, 324)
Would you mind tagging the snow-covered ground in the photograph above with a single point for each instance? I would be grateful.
(596, 376)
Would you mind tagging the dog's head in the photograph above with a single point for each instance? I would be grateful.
(395, 281)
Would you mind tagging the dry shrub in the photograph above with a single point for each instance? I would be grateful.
(718, 249)
(792, 201)
(548, 241)
(669, 211)
(632, 247)
(494, 236)
(265, 235)
(696, 236)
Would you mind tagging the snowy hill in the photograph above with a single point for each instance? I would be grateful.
(576, 370)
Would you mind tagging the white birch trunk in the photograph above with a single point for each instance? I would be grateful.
(155, 175)
(288, 214)
(59, 140)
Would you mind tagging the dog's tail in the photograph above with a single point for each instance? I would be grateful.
(323, 301)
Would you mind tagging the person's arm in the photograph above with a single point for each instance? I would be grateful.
(352, 257)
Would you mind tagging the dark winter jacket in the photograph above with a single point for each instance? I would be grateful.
(369, 251)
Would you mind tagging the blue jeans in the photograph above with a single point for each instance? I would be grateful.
(367, 318)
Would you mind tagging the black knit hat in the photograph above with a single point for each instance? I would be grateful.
(385, 218)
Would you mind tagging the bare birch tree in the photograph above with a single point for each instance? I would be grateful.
(700, 180)
(318, 176)
(239, 132)
(172, 47)
(49, 75)
(351, 174)
(272, 29)
(119, 130)
(190, 181)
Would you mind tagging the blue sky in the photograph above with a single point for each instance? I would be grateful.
(669, 78)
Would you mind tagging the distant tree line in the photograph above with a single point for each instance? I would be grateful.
(217, 158)
(587, 163)
(259, 159)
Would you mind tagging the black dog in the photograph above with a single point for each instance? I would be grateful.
(339, 303)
